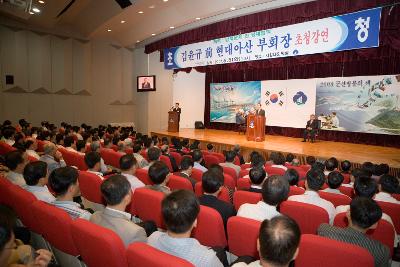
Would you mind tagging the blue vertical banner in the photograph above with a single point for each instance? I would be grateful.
(345, 32)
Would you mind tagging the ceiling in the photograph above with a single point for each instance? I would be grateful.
(101, 19)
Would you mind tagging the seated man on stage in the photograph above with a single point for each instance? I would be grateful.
(240, 117)
(311, 128)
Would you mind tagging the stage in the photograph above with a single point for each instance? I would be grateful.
(355, 153)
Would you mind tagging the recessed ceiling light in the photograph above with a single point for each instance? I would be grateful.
(165, 0)
(108, 30)
(153, 34)
(137, 41)
(152, 6)
(123, 21)
(41, 1)
(172, 27)
(36, 10)
(198, 18)
(233, 8)
(140, 12)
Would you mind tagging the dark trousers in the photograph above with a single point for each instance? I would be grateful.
(309, 132)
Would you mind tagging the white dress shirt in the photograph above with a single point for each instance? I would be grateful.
(41, 192)
(312, 197)
(200, 167)
(386, 197)
(279, 167)
(334, 191)
(134, 181)
(16, 178)
(32, 153)
(9, 142)
(259, 211)
(251, 264)
(97, 173)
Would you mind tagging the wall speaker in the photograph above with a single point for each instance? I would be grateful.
(9, 79)
(198, 125)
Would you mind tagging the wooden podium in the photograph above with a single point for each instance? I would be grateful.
(255, 128)
(173, 121)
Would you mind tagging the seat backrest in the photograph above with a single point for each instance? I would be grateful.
(176, 182)
(210, 228)
(346, 178)
(167, 161)
(5, 148)
(321, 251)
(294, 190)
(243, 244)
(110, 157)
(229, 181)
(147, 205)
(230, 171)
(79, 162)
(348, 191)
(90, 184)
(396, 196)
(245, 166)
(219, 156)
(177, 157)
(40, 145)
(55, 225)
(143, 255)
(393, 210)
(236, 161)
(98, 246)
(308, 217)
(302, 183)
(302, 173)
(241, 197)
(223, 195)
(335, 199)
(384, 232)
(274, 171)
(143, 176)
(197, 174)
(144, 155)
(210, 160)
(22, 201)
(243, 183)
(5, 190)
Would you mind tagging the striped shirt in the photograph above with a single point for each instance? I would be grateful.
(73, 209)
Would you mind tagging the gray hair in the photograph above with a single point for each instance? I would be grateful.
(94, 146)
(49, 148)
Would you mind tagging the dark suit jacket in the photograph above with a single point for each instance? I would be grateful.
(313, 124)
(173, 162)
(192, 180)
(225, 209)
(177, 110)
(255, 190)
(260, 112)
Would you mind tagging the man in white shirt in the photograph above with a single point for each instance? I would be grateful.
(31, 146)
(128, 165)
(95, 146)
(52, 157)
(314, 182)
(229, 159)
(331, 165)
(388, 185)
(93, 161)
(69, 144)
(274, 190)
(142, 162)
(335, 180)
(153, 153)
(198, 158)
(278, 161)
(16, 162)
(8, 135)
(278, 243)
(36, 178)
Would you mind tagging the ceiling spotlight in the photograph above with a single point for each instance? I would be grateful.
(198, 18)
(153, 34)
(137, 41)
(108, 30)
(123, 21)
(140, 12)
(36, 10)
(41, 1)
(165, 0)
(152, 6)
(172, 27)
(233, 8)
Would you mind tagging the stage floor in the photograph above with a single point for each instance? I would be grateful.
(356, 153)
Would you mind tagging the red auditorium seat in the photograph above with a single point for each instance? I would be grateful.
(346, 177)
(243, 183)
(40, 145)
(224, 195)
(167, 161)
(146, 204)
(396, 196)
(90, 184)
(143, 255)
(177, 182)
(197, 174)
(110, 157)
(5, 191)
(321, 251)
(210, 160)
(129, 151)
(393, 210)
(236, 161)
(55, 226)
(229, 181)
(243, 172)
(22, 201)
(348, 191)
(74, 159)
(243, 244)
(302, 183)
(302, 173)
(143, 176)
(219, 156)
(98, 246)
(294, 190)
(210, 228)
(5, 148)
(245, 166)
(274, 171)
(335, 199)
(384, 232)
(308, 216)
(241, 197)
(230, 171)
(144, 155)
(177, 157)
(32, 159)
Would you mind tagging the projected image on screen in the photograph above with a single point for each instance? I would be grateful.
(228, 99)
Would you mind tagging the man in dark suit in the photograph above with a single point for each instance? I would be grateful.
(177, 109)
(311, 128)
(146, 84)
(186, 170)
(212, 183)
(257, 177)
(259, 110)
(165, 152)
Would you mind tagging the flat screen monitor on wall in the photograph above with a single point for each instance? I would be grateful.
(146, 83)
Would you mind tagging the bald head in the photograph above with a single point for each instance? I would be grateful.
(49, 149)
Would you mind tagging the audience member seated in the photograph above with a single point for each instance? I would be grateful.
(212, 183)
(93, 161)
(210, 148)
(142, 162)
(95, 147)
(257, 178)
(16, 162)
(236, 149)
(368, 167)
(364, 214)
(257, 161)
(52, 157)
(121, 147)
(315, 180)
(387, 186)
(345, 166)
(159, 175)
(356, 173)
(165, 152)
(331, 165)
(278, 243)
(335, 180)
(310, 160)
(8, 135)
(69, 143)
(128, 167)
(195, 145)
(107, 143)
(289, 158)
(116, 191)
(59, 140)
(198, 159)
(81, 147)
(36, 178)
(279, 161)
(12, 251)
(179, 211)
(186, 169)
(153, 153)
(229, 159)
(274, 190)
(64, 182)
(31, 146)
(292, 176)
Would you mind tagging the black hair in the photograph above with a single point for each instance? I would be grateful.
(364, 212)
(13, 159)
(368, 167)
(68, 141)
(310, 160)
(92, 158)
(216, 168)
(345, 165)
(383, 169)
(210, 146)
(7, 224)
(114, 189)
(335, 179)
(290, 157)
(315, 179)
(292, 176)
(257, 175)
(137, 147)
(33, 171)
(331, 164)
(158, 172)
(389, 183)
(275, 190)
(180, 210)
(127, 161)
(28, 143)
(230, 156)
(62, 178)
(318, 166)
(197, 155)
(360, 173)
(153, 153)
(365, 187)
(186, 163)
(279, 159)
(257, 161)
(212, 181)
(279, 239)
(80, 144)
